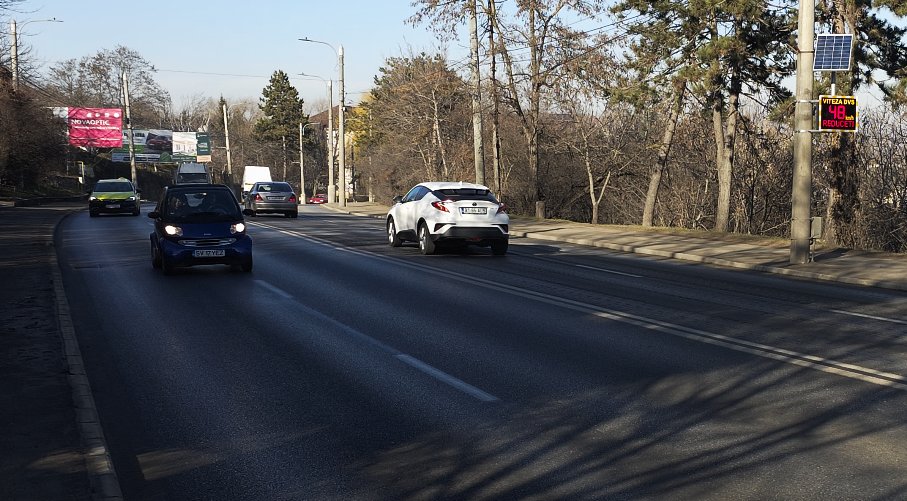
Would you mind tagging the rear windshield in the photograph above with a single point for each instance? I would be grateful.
(275, 187)
(465, 194)
(192, 177)
(113, 186)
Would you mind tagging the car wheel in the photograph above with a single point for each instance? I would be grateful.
(293, 214)
(246, 266)
(499, 247)
(155, 257)
(426, 244)
(92, 213)
(137, 212)
(393, 239)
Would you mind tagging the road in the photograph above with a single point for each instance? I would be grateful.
(341, 368)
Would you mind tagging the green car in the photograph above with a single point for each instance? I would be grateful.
(114, 196)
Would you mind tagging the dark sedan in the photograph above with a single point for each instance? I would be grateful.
(199, 224)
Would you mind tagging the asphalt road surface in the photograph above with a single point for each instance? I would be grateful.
(341, 368)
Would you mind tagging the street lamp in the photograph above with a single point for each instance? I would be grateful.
(14, 50)
(302, 199)
(339, 53)
(332, 196)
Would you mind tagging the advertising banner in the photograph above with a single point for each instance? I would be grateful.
(95, 127)
(184, 146)
(203, 147)
(151, 146)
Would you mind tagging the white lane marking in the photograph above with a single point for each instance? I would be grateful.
(408, 359)
(604, 270)
(826, 365)
(447, 378)
(872, 317)
(276, 290)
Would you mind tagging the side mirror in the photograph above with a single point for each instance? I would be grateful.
(138, 190)
(154, 215)
(398, 199)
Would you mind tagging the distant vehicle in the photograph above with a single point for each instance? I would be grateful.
(320, 198)
(199, 224)
(449, 213)
(191, 172)
(114, 196)
(253, 174)
(271, 197)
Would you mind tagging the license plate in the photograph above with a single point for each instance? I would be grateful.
(275, 198)
(208, 253)
(113, 206)
(473, 210)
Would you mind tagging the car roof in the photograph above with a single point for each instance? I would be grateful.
(448, 185)
(117, 180)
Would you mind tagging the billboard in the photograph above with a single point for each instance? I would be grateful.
(184, 147)
(95, 127)
(151, 146)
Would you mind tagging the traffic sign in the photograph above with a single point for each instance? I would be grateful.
(838, 113)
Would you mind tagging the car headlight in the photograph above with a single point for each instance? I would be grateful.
(237, 228)
(173, 231)
(92, 198)
(132, 198)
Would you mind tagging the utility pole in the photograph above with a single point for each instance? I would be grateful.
(284, 140)
(129, 128)
(341, 132)
(301, 168)
(478, 148)
(803, 122)
(332, 192)
(227, 144)
(495, 140)
(14, 54)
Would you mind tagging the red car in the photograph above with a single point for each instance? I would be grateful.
(319, 198)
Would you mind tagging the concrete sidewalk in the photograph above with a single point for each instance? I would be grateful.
(875, 269)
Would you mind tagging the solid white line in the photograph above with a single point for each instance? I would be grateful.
(603, 270)
(829, 366)
(873, 317)
(275, 290)
(447, 378)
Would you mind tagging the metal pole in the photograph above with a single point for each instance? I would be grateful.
(129, 128)
(14, 54)
(301, 168)
(227, 145)
(332, 192)
(803, 122)
(478, 148)
(341, 133)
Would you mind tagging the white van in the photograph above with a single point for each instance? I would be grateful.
(254, 174)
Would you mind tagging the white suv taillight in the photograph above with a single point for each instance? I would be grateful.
(440, 206)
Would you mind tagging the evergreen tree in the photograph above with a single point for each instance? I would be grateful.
(283, 112)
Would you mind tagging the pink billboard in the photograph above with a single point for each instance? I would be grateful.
(97, 127)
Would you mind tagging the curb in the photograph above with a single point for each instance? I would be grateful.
(789, 272)
(102, 477)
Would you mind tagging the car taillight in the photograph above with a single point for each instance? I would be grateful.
(502, 209)
(293, 198)
(258, 198)
(440, 206)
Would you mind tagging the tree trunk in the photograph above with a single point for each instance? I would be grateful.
(663, 150)
(726, 160)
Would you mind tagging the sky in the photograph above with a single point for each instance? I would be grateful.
(232, 47)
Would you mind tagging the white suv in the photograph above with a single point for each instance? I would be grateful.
(445, 212)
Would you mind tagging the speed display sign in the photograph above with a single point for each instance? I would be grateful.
(838, 113)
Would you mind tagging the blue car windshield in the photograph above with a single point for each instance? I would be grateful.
(201, 206)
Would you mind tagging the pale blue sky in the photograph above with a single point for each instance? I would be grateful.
(233, 37)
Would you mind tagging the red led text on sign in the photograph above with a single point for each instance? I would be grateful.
(838, 113)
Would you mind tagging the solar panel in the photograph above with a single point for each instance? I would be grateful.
(833, 52)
